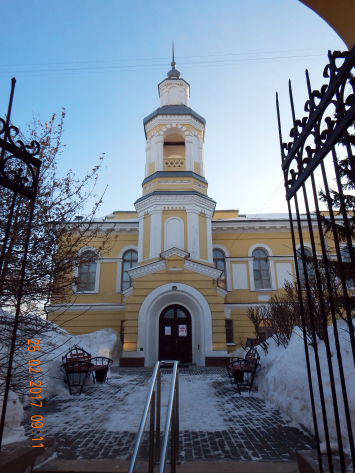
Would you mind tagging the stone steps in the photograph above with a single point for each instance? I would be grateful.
(115, 466)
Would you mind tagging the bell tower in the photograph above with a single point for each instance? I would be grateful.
(174, 211)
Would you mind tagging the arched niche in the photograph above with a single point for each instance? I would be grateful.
(174, 144)
(174, 234)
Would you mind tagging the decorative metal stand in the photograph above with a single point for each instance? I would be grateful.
(19, 172)
(308, 161)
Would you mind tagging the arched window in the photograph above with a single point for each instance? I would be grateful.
(309, 266)
(130, 259)
(219, 263)
(87, 272)
(261, 269)
(345, 257)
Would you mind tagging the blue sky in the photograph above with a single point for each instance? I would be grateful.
(102, 61)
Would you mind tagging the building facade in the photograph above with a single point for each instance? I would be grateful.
(180, 275)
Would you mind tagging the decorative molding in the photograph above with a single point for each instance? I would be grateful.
(146, 269)
(190, 201)
(199, 185)
(127, 292)
(174, 121)
(221, 292)
(174, 251)
(202, 269)
(174, 182)
(86, 307)
(150, 186)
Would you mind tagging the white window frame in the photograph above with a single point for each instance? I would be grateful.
(97, 275)
(119, 266)
(271, 264)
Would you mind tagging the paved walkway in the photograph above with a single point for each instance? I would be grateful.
(216, 423)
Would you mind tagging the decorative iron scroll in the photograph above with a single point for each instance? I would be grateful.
(330, 108)
(19, 168)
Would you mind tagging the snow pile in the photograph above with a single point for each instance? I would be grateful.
(283, 381)
(13, 431)
(54, 345)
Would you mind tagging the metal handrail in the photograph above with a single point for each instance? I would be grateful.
(172, 406)
(144, 420)
(171, 423)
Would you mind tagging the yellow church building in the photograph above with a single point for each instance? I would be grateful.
(180, 274)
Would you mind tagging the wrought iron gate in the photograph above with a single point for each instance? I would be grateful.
(319, 166)
(19, 174)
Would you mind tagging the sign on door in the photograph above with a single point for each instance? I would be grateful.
(182, 330)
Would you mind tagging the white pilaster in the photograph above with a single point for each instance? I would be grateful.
(209, 238)
(189, 156)
(159, 150)
(193, 236)
(155, 233)
(140, 237)
(147, 154)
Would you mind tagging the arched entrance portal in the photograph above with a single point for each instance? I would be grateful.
(175, 334)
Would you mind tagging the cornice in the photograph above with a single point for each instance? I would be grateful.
(146, 269)
(221, 292)
(176, 198)
(174, 251)
(127, 292)
(202, 269)
(170, 119)
(175, 174)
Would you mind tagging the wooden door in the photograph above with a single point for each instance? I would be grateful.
(175, 337)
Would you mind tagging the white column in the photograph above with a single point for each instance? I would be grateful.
(209, 238)
(189, 157)
(159, 166)
(201, 158)
(140, 237)
(193, 236)
(147, 161)
(155, 233)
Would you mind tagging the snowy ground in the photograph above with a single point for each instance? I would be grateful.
(215, 421)
(283, 381)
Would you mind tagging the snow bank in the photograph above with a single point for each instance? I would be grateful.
(283, 381)
(54, 343)
(13, 431)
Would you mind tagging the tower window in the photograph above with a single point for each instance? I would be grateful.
(261, 269)
(130, 260)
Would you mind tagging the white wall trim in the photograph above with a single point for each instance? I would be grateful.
(126, 248)
(221, 247)
(174, 251)
(202, 269)
(260, 245)
(146, 269)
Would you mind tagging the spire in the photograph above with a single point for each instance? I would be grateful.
(174, 73)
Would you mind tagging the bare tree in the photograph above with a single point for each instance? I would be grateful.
(57, 236)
